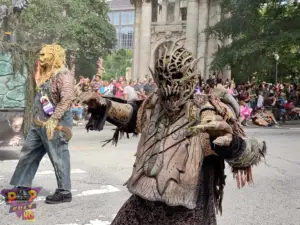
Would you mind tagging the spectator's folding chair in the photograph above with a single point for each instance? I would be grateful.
(292, 115)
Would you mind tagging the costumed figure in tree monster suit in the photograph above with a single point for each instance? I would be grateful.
(178, 176)
(52, 126)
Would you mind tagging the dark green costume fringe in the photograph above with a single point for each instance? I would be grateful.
(24, 56)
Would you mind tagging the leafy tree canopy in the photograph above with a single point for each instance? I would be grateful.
(259, 29)
(80, 26)
(115, 65)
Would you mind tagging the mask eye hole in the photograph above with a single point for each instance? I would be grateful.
(177, 75)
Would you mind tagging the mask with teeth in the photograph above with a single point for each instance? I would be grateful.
(175, 76)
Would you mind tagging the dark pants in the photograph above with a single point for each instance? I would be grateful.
(35, 147)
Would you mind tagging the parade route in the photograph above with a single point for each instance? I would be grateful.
(98, 174)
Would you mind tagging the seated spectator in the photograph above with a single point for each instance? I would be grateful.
(245, 113)
(270, 102)
(263, 118)
(77, 109)
(290, 107)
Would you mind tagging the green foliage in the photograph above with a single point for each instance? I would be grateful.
(82, 27)
(78, 25)
(115, 64)
(259, 29)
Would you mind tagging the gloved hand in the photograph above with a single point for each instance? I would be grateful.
(252, 153)
(50, 126)
(216, 127)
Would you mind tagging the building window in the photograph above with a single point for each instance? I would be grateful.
(170, 10)
(183, 13)
(118, 37)
(131, 17)
(154, 10)
(126, 37)
(183, 10)
(116, 20)
(124, 18)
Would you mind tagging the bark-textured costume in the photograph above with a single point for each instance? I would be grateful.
(178, 176)
(53, 121)
(114, 110)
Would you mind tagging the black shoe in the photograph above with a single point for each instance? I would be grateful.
(59, 196)
(22, 195)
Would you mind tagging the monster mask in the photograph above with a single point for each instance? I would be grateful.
(175, 76)
(52, 56)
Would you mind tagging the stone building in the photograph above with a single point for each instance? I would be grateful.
(121, 15)
(157, 21)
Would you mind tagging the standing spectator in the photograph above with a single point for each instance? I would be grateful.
(129, 93)
(149, 87)
(81, 81)
(231, 90)
(119, 93)
(86, 85)
(139, 88)
(96, 84)
(104, 87)
(260, 100)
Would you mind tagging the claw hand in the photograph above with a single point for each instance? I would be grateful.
(217, 128)
(50, 126)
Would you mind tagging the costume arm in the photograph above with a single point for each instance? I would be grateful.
(229, 140)
(126, 116)
(242, 152)
(65, 88)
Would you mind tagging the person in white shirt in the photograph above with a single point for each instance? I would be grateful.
(260, 100)
(129, 93)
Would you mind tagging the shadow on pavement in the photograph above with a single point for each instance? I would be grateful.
(9, 154)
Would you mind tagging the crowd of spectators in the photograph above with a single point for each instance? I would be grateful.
(126, 90)
(263, 103)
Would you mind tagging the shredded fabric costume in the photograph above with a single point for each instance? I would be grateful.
(178, 176)
(52, 126)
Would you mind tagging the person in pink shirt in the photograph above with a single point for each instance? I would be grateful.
(119, 88)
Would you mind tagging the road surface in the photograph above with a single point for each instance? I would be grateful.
(98, 174)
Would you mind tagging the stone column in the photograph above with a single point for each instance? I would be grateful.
(177, 11)
(214, 17)
(136, 46)
(202, 37)
(192, 27)
(227, 41)
(145, 39)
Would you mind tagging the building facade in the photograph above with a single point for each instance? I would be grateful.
(122, 17)
(158, 21)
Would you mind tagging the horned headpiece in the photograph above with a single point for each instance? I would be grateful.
(175, 75)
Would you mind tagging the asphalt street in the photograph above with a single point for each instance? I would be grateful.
(98, 174)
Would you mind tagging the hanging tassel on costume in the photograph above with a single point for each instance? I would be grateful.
(243, 176)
